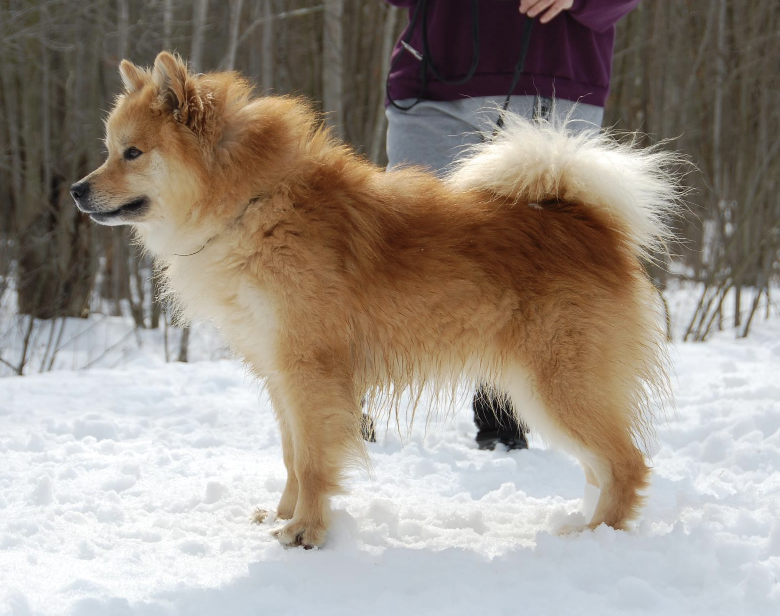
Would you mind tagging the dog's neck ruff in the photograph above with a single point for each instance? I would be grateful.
(236, 220)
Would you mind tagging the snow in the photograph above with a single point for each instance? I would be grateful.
(99, 341)
(131, 490)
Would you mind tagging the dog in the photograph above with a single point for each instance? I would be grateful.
(339, 283)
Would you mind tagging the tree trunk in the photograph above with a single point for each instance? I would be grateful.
(332, 66)
(167, 23)
(267, 55)
(184, 344)
(123, 27)
(380, 123)
(38, 282)
(200, 11)
(235, 18)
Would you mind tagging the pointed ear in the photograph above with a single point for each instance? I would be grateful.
(176, 91)
(133, 77)
(184, 96)
(170, 77)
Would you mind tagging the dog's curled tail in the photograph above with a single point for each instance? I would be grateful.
(637, 189)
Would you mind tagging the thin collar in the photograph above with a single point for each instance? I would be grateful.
(235, 221)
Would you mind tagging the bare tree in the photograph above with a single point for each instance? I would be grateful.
(333, 66)
(200, 9)
(389, 34)
(703, 73)
(167, 23)
(235, 17)
(267, 53)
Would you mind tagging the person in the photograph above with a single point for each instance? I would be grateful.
(450, 72)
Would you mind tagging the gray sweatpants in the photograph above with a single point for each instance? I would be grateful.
(433, 133)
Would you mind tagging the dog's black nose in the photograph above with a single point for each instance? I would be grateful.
(79, 190)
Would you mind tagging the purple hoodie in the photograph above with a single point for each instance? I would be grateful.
(570, 57)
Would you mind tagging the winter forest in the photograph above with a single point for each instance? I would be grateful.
(701, 74)
(102, 380)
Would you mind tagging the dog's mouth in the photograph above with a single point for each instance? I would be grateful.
(133, 209)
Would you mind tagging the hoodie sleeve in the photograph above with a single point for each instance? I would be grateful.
(599, 15)
(403, 3)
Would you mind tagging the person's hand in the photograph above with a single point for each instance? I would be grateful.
(546, 8)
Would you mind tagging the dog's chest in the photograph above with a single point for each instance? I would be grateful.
(236, 303)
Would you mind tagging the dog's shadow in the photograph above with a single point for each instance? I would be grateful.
(352, 581)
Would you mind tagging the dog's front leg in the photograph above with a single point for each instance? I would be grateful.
(323, 418)
(286, 508)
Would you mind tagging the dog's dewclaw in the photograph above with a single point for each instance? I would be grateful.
(259, 516)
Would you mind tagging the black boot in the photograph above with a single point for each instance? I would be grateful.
(494, 417)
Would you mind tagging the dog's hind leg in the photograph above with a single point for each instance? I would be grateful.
(621, 472)
(323, 417)
(593, 429)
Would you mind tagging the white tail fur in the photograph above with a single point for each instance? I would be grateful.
(534, 160)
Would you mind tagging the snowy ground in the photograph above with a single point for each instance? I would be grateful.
(129, 491)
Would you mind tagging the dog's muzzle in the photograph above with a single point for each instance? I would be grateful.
(82, 195)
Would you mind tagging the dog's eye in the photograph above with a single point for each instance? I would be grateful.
(132, 153)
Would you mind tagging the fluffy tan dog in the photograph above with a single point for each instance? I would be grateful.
(339, 282)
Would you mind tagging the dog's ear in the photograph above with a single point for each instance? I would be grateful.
(178, 92)
(171, 79)
(133, 77)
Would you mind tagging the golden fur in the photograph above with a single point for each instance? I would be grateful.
(339, 282)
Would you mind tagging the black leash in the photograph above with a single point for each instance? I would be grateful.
(528, 27)
(416, 54)
(426, 61)
(474, 40)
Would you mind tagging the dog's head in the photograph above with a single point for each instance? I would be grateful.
(165, 137)
(153, 148)
(187, 151)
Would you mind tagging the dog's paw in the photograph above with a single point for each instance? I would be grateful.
(302, 534)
